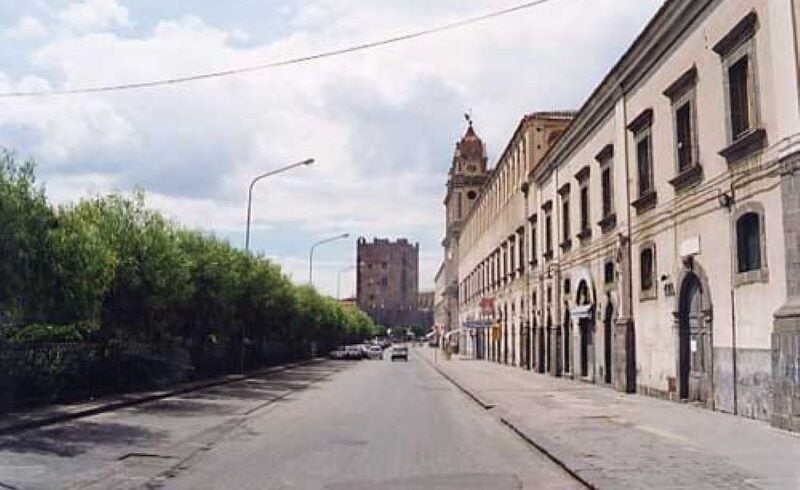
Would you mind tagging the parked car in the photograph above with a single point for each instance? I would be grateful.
(354, 352)
(374, 352)
(338, 353)
(399, 352)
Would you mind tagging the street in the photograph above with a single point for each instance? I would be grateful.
(332, 425)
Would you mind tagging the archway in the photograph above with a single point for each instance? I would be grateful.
(694, 340)
(583, 316)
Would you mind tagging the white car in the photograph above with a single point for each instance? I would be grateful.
(375, 352)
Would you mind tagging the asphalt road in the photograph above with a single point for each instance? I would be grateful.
(330, 425)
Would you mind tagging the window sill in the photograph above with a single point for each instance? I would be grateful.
(751, 142)
(646, 202)
(566, 245)
(608, 223)
(548, 255)
(751, 277)
(585, 234)
(533, 263)
(687, 178)
(648, 295)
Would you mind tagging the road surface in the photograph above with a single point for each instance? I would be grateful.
(329, 425)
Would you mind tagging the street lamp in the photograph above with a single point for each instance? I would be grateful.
(311, 255)
(339, 280)
(308, 161)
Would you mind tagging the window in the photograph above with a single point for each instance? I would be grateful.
(644, 164)
(683, 130)
(641, 127)
(608, 272)
(533, 247)
(566, 229)
(548, 230)
(584, 208)
(647, 272)
(737, 52)
(582, 177)
(682, 96)
(607, 190)
(521, 260)
(739, 97)
(750, 245)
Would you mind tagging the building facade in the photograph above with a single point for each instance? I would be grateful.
(387, 282)
(654, 246)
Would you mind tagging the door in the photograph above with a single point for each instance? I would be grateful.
(607, 319)
(693, 349)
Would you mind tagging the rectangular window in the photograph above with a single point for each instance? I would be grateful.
(533, 242)
(646, 269)
(607, 190)
(739, 96)
(585, 208)
(684, 133)
(565, 218)
(644, 165)
(521, 238)
(548, 234)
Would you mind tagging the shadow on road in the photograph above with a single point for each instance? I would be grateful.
(75, 438)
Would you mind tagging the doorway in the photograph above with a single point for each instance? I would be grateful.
(607, 342)
(693, 342)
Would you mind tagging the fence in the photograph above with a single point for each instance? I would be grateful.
(47, 372)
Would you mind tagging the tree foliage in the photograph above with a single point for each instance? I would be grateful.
(110, 270)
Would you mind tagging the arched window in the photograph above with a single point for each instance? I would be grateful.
(748, 242)
(647, 271)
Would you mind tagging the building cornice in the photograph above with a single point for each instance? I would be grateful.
(646, 53)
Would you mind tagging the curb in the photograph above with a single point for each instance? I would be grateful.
(132, 400)
(563, 458)
(485, 403)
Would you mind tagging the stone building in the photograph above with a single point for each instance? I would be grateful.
(387, 284)
(653, 246)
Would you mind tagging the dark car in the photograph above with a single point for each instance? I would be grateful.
(399, 352)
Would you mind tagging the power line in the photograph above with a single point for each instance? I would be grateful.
(275, 64)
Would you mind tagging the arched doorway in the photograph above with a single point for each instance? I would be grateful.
(694, 341)
(583, 315)
(567, 336)
(548, 335)
(608, 325)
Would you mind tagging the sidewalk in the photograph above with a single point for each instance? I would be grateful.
(14, 422)
(613, 440)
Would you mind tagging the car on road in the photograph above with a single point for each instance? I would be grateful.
(374, 352)
(399, 352)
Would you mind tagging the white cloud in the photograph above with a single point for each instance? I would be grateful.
(381, 124)
(89, 15)
(27, 28)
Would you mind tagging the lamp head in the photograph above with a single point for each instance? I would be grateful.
(308, 162)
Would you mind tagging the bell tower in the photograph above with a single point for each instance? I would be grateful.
(465, 182)
(466, 178)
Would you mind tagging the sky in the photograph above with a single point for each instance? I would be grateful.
(380, 124)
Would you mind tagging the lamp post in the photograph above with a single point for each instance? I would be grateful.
(311, 255)
(339, 280)
(308, 161)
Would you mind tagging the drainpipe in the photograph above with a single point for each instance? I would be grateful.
(628, 310)
(732, 228)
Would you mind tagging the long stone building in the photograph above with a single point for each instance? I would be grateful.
(649, 241)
